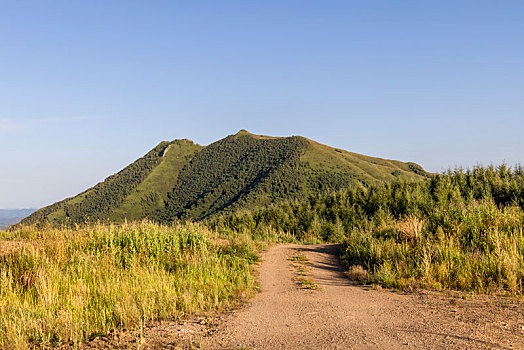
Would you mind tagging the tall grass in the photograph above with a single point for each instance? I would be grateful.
(66, 285)
(477, 247)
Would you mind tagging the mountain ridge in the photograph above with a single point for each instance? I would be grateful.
(183, 180)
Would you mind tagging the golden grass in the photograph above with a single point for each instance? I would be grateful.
(357, 273)
(410, 227)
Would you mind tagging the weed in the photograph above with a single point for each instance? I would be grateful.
(308, 283)
(300, 263)
(358, 273)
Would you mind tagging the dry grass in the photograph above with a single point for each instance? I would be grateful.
(358, 273)
(410, 227)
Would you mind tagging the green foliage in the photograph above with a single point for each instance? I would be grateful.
(181, 180)
(232, 172)
(462, 230)
(478, 247)
(326, 214)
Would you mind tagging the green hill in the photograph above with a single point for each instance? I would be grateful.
(183, 180)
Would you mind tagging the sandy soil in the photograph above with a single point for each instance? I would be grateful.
(343, 315)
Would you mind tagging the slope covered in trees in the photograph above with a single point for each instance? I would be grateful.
(182, 180)
(328, 214)
(247, 171)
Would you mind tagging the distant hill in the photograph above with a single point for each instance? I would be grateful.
(183, 180)
(9, 217)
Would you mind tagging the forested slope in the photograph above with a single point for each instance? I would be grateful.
(133, 192)
(183, 180)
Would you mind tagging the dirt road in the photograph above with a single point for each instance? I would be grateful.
(334, 313)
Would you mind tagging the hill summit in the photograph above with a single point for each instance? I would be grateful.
(183, 180)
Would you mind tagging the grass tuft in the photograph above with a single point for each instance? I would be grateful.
(358, 273)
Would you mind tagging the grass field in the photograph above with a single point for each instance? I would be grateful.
(67, 285)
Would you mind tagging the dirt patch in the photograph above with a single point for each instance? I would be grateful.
(343, 314)
(181, 334)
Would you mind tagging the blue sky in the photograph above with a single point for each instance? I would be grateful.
(86, 87)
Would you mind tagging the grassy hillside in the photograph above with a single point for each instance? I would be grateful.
(365, 169)
(133, 192)
(182, 180)
(248, 171)
(150, 195)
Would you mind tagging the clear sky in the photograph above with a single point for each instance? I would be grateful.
(86, 87)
